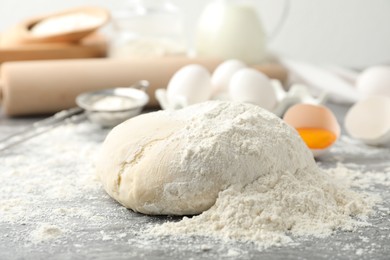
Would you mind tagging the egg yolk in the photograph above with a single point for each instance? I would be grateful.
(317, 138)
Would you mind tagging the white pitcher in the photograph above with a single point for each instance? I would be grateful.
(230, 29)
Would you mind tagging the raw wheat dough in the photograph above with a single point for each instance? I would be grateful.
(176, 162)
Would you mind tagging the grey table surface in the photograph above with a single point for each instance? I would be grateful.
(373, 240)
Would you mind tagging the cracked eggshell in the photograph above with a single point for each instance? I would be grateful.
(192, 83)
(313, 116)
(223, 74)
(251, 86)
(374, 81)
(369, 120)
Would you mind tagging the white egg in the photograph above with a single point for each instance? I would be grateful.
(251, 86)
(369, 120)
(374, 81)
(191, 83)
(222, 75)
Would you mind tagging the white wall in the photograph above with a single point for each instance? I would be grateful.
(354, 33)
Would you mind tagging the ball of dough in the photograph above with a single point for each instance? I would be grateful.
(176, 162)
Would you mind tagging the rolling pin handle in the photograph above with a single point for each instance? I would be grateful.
(1, 91)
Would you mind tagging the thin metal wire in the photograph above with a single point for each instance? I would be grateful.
(60, 116)
(71, 115)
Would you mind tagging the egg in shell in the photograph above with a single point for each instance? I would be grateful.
(251, 86)
(374, 81)
(189, 85)
(369, 120)
(223, 74)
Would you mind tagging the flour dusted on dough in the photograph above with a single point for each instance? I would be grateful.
(176, 162)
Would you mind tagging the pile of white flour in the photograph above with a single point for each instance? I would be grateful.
(271, 185)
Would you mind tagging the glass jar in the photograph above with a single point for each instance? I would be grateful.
(147, 28)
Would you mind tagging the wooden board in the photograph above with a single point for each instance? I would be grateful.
(93, 46)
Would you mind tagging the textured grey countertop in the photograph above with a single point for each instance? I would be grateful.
(102, 229)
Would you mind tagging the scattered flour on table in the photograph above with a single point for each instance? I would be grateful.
(347, 147)
(355, 178)
(48, 192)
(47, 183)
(46, 232)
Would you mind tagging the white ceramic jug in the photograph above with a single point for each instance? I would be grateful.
(231, 29)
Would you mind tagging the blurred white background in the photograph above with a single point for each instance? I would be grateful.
(353, 33)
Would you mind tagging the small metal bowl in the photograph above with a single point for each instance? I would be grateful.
(110, 107)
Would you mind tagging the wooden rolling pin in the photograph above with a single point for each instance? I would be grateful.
(42, 87)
